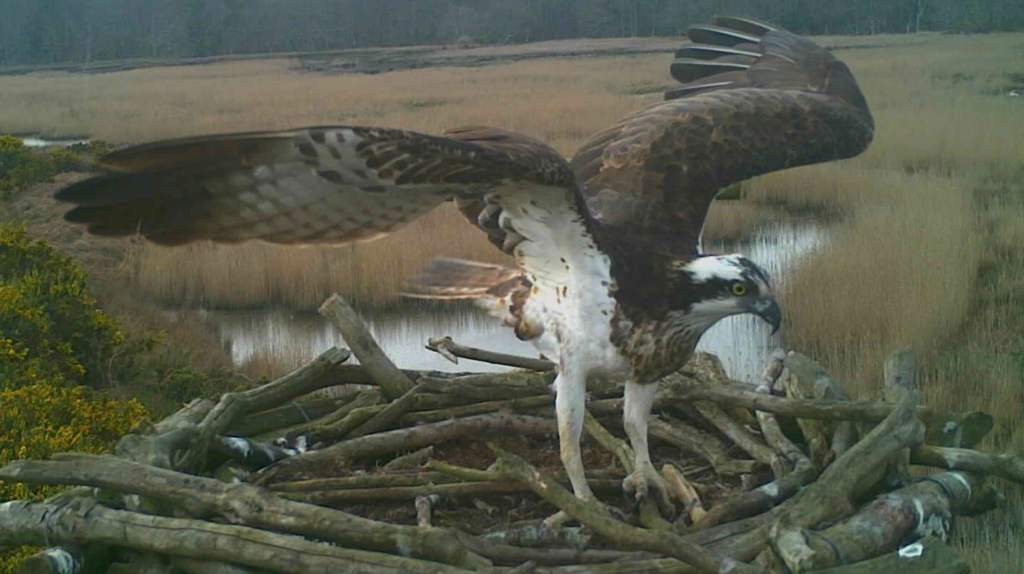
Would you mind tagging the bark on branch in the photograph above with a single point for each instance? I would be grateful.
(452, 351)
(390, 378)
(597, 517)
(923, 508)
(83, 521)
(409, 439)
(239, 504)
(232, 406)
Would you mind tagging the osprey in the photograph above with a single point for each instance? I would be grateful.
(609, 277)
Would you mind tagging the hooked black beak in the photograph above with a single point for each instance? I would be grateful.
(768, 310)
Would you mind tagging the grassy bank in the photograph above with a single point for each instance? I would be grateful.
(928, 253)
(928, 224)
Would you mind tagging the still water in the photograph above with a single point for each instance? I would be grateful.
(40, 141)
(743, 343)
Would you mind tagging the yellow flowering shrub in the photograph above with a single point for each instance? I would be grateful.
(39, 419)
(53, 338)
(50, 328)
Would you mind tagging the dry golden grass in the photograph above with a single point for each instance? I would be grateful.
(901, 273)
(559, 101)
(926, 251)
(258, 274)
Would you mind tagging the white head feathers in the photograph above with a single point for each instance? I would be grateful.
(707, 267)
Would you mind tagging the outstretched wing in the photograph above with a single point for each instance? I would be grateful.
(754, 99)
(324, 185)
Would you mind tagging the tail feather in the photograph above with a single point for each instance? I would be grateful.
(446, 278)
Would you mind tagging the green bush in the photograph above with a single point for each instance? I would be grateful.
(50, 328)
(21, 166)
(53, 339)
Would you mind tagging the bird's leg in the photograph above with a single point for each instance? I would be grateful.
(569, 408)
(570, 403)
(644, 481)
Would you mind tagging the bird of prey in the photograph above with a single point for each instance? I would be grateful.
(609, 276)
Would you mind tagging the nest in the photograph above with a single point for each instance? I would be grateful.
(411, 471)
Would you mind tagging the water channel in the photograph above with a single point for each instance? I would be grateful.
(743, 343)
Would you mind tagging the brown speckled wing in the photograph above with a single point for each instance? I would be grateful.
(757, 100)
(323, 185)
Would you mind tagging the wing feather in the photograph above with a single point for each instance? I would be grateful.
(314, 185)
(338, 185)
(651, 177)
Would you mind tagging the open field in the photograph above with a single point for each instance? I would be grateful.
(929, 223)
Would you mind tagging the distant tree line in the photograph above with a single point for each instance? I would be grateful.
(59, 31)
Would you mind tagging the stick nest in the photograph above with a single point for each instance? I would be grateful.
(372, 468)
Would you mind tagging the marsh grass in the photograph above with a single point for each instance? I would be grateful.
(258, 274)
(928, 224)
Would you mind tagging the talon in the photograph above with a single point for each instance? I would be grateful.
(645, 483)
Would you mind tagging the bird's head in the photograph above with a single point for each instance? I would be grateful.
(713, 287)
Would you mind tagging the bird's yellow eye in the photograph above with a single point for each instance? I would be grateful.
(739, 289)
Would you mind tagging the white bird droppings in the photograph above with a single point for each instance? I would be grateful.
(914, 550)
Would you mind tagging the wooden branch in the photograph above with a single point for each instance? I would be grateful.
(832, 494)
(681, 389)
(390, 378)
(408, 439)
(760, 499)
(649, 514)
(923, 508)
(595, 516)
(56, 560)
(526, 404)
(159, 444)
(386, 418)
(363, 398)
(135, 562)
(448, 348)
(237, 503)
(899, 373)
(433, 402)
(927, 556)
(1005, 466)
(528, 567)
(682, 491)
(736, 432)
(963, 430)
(450, 482)
(650, 566)
(696, 442)
(335, 498)
(425, 509)
(196, 566)
(85, 522)
(410, 461)
(513, 555)
(289, 415)
(489, 387)
(787, 456)
(540, 535)
(616, 446)
(232, 406)
(335, 431)
(806, 379)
